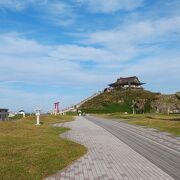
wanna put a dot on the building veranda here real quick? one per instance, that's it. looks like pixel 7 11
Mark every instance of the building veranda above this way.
pixel 4 114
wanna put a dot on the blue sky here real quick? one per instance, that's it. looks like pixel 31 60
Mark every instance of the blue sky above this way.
pixel 65 50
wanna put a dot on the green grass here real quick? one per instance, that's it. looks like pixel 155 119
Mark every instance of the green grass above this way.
pixel 72 113
pixel 170 126
pixel 30 152
pixel 162 122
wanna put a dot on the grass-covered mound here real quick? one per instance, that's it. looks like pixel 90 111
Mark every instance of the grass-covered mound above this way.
pixel 30 152
pixel 119 101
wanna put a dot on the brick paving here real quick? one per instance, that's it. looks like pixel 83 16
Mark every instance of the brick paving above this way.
pixel 107 158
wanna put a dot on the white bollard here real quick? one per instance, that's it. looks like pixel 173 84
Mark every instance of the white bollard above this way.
pixel 38 122
pixel 37 117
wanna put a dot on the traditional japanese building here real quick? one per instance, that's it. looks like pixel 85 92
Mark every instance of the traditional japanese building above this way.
pixel 4 114
pixel 128 82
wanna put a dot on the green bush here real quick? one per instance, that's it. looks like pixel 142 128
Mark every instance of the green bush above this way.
pixel 72 113
pixel 18 116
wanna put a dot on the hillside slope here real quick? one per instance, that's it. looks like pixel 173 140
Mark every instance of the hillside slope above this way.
pixel 124 100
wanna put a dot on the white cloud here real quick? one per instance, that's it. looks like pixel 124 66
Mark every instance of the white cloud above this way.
pixel 16 100
pixel 12 44
pixel 12 4
pixel 81 53
pixel 110 6
pixel 56 12
pixel 19 5
pixel 59 13
pixel 131 40
pixel 31 62
pixel 136 32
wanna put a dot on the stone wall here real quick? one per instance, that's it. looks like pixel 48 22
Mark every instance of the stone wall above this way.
pixel 167 104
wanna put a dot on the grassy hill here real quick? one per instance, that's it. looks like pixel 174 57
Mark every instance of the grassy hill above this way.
pixel 123 101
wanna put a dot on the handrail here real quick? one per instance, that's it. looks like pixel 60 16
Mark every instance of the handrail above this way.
pixel 72 107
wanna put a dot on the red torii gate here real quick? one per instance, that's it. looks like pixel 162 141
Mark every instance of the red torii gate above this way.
pixel 56 108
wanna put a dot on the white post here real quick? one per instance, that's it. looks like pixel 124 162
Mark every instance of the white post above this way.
pixel 168 110
pixel 38 123
pixel 37 117
pixel 133 104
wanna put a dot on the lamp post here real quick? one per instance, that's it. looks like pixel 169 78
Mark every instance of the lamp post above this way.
pixel 37 117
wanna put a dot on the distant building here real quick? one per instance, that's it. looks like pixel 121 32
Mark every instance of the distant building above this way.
pixel 128 82
pixel 21 112
pixel 4 114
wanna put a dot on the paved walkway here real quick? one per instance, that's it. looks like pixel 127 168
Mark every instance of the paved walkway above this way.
pixel 164 138
pixel 108 158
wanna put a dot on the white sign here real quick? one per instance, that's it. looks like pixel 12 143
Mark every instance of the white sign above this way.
pixel 38 114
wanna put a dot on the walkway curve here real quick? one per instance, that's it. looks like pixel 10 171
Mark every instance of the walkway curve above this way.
pixel 107 158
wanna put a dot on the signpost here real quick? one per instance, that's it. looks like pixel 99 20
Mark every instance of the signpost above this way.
pixel 37 117
pixel 133 106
